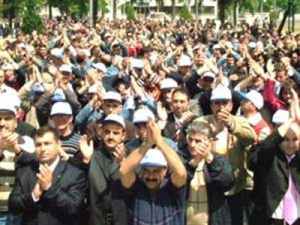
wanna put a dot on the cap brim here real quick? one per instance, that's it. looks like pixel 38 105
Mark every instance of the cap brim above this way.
pixel 112 121
pixel 152 164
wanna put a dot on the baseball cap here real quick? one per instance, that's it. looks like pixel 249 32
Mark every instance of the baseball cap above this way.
pixel 114 118
pixel 112 95
pixel 61 108
pixel 6 105
pixel 209 74
pixel 100 66
pixel 38 88
pixel 137 63
pixel 58 95
pixel 256 98
pixel 184 60
pixel 168 83
pixel 154 158
pixel 142 115
pixel 57 52
pixel 221 93
pixel 280 116
pixel 65 68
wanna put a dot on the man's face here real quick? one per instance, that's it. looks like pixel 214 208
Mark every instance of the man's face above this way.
pixel 8 123
pixel 167 95
pixel 47 148
pixel 247 106
pixel 112 135
pixel 281 76
pixel 62 122
pixel 193 140
pixel 220 105
pixel 153 176
pixel 111 107
pixel 142 130
pixel 206 82
pixel 290 143
pixel 230 60
pixel 179 104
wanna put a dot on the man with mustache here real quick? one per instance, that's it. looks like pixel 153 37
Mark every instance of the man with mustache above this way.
pixel 157 195
pixel 105 207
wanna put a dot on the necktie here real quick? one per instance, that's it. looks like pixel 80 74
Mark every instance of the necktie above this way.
pixel 289 203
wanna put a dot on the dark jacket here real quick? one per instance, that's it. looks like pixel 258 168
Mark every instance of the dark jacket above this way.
pixel 271 171
pixel 107 207
pixel 219 178
pixel 60 205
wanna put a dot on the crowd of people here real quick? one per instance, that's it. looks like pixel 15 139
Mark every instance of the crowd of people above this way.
pixel 150 123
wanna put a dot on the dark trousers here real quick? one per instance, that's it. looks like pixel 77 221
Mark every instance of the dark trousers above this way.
pixel 240 206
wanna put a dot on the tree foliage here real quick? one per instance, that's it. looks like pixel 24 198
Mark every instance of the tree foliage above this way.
pixel 185 14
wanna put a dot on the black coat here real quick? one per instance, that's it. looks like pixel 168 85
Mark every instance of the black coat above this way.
pixel 271 173
pixel 60 205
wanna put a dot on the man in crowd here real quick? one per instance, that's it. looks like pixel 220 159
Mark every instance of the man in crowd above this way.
pixel 50 191
pixel 154 191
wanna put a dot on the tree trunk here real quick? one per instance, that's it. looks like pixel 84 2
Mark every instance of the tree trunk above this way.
pixel 221 12
pixel 173 9
pixel 114 9
pixel 50 10
pixel 235 8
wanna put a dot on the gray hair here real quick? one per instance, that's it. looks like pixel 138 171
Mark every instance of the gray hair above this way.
pixel 199 127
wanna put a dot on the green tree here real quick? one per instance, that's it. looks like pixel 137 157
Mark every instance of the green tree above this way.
pixel 30 16
pixel 185 14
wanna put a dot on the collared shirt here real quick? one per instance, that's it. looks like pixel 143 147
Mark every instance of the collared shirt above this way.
pixel 278 213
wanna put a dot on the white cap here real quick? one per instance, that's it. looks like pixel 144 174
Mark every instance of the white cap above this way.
pixel 112 95
pixel 65 68
pixel 8 66
pixel 168 83
pixel 38 87
pixel 256 98
pixel 184 60
pixel 12 98
pixel 280 116
pixel 61 108
pixel 6 105
pixel 137 63
pixel 209 74
pixel 114 118
pixel 142 115
pixel 252 45
pixel 93 89
pixel 58 95
pixel 216 46
pixel 100 66
pixel 221 92
pixel 154 158
pixel 57 52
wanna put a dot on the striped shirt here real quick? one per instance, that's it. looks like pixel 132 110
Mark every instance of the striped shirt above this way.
pixel 70 143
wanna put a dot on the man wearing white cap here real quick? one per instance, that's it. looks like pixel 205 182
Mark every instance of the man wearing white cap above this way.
pixel 3 87
pixel 153 190
pixel 103 172
pixel 11 144
pixel 61 116
pixel 250 107
pixel 234 136
pixel 140 118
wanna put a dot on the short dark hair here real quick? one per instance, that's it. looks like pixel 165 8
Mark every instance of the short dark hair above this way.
pixel 182 91
pixel 43 130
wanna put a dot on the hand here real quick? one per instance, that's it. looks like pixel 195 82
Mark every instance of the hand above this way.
pixel 87 149
pixel 37 191
pixel 120 152
pixel 154 133
pixel 225 118
pixel 45 177
pixel 63 154
pixel 10 142
pixel 203 149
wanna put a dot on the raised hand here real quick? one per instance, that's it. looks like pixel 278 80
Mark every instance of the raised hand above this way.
pixel 119 152
pixel 86 148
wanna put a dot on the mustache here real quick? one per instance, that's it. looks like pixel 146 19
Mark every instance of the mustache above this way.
pixel 151 180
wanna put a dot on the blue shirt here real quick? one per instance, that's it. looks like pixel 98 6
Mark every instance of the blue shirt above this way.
pixel 163 207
